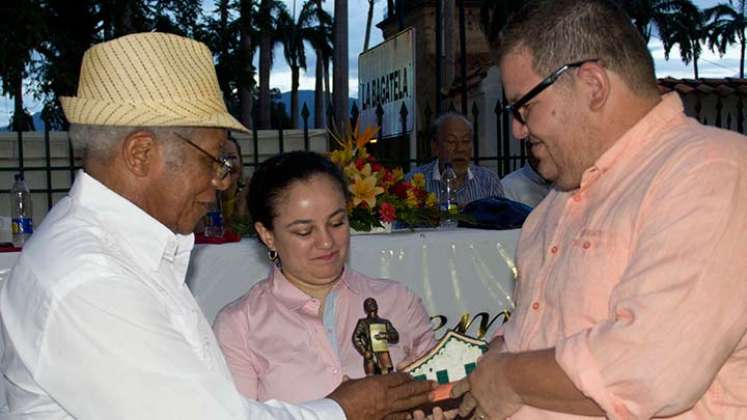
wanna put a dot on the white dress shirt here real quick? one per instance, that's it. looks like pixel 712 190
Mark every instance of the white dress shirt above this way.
pixel 98 323
pixel 526 186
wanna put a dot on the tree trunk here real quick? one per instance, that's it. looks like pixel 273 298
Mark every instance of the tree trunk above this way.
pixel 265 59
pixel 369 21
pixel 245 73
pixel 294 96
pixel 18 121
pixel 340 72
pixel 741 59
pixel 222 66
pixel 327 92
pixel 319 91
pixel 695 67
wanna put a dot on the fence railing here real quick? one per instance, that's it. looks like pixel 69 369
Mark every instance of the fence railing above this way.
pixel 49 165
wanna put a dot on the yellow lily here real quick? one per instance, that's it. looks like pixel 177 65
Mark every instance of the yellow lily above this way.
pixel 418 180
pixel 412 199
pixel 431 200
pixel 364 190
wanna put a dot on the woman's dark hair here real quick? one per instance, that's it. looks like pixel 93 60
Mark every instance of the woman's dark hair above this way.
pixel 233 140
pixel 276 174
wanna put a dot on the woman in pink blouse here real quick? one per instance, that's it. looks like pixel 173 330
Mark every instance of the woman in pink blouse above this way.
pixel 290 336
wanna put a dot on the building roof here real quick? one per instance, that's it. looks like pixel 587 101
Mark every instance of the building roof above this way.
pixel 706 86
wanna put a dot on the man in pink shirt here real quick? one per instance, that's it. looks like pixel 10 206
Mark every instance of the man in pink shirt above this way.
pixel 633 271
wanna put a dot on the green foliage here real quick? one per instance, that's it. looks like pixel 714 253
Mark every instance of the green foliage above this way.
pixel 727 25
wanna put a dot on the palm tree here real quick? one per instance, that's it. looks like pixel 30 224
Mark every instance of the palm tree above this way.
pixel 21 36
pixel 320 39
pixel 220 33
pixel 687 29
pixel 312 26
pixel 651 16
pixel 72 27
pixel 246 71
pixel 266 23
pixel 727 26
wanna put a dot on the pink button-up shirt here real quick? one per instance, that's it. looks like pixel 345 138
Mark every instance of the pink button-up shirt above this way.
pixel 638 279
pixel 278 347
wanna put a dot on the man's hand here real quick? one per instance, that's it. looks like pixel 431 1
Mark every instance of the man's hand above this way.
pixel 376 397
pixel 488 391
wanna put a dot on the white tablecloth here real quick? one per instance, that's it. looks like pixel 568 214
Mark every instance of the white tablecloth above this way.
pixel 454 272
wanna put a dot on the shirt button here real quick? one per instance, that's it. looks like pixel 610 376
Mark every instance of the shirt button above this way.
pixel 554 249
pixel 335 371
pixel 535 305
pixel 577 197
pixel 587 245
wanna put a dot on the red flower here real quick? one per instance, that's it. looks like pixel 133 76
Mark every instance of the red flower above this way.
pixel 387 212
pixel 376 166
pixel 419 193
pixel 400 190
pixel 360 163
pixel 387 178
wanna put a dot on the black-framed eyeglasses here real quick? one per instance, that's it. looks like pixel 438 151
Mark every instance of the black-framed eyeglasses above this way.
pixel 516 108
pixel 223 166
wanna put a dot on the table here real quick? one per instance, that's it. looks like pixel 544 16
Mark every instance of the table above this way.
pixel 456 272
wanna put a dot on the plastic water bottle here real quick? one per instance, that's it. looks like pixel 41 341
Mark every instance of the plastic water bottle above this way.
pixel 449 207
pixel 214 220
pixel 20 211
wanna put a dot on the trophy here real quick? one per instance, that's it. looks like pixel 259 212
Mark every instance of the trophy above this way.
pixel 371 338
pixel 453 358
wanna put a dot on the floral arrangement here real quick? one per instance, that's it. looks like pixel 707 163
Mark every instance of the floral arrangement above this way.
pixel 380 195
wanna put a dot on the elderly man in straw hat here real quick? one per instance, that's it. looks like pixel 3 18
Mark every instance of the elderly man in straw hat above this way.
pixel 96 317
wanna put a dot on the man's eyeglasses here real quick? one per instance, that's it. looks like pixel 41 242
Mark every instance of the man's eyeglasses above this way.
pixel 516 108
pixel 222 165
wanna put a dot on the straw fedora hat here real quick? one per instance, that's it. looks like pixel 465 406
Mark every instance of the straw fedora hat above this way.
pixel 149 79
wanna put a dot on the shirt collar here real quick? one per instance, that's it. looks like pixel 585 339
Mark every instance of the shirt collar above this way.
pixel 637 137
pixel 294 298
pixel 534 176
pixel 437 173
pixel 134 229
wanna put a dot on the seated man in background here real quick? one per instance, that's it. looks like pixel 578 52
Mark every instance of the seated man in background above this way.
pixel 525 185
pixel 451 142
pixel 97 319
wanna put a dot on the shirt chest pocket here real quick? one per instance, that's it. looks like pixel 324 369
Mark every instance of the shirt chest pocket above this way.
pixel 587 271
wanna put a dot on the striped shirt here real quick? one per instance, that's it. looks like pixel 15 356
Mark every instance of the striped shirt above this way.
pixel 481 183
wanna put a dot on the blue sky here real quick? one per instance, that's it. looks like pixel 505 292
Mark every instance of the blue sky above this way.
pixel 711 65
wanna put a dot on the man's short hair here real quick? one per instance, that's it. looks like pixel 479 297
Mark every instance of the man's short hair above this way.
pixel 439 122
pixel 558 32
pixel 99 142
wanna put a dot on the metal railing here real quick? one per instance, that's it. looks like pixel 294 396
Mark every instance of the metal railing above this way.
pixel 50 164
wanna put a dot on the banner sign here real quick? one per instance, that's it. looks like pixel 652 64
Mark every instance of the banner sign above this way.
pixel 386 76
